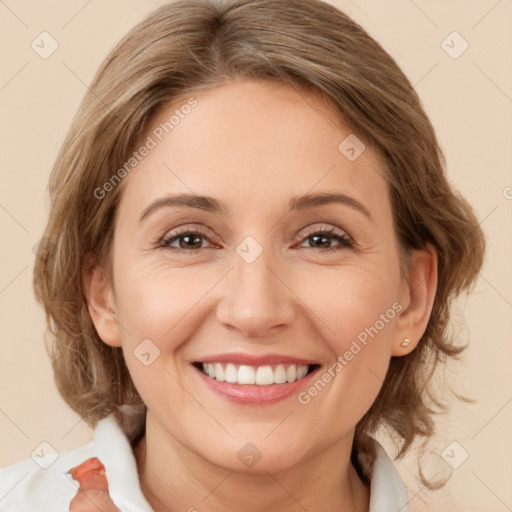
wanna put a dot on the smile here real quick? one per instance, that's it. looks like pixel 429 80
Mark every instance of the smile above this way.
pixel 259 376
pixel 255 380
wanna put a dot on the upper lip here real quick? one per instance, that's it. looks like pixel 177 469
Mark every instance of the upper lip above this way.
pixel 255 360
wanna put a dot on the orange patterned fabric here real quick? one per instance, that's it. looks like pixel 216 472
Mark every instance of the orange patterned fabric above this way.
pixel 93 492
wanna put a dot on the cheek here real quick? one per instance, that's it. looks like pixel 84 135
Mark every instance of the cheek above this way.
pixel 158 308
pixel 158 302
pixel 356 303
pixel 358 318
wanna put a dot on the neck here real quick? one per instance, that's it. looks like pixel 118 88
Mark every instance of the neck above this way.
pixel 173 478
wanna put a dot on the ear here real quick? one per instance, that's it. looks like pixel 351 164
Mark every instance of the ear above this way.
pixel 101 305
pixel 418 290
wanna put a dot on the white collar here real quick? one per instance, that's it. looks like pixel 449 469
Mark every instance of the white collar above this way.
pixel 387 492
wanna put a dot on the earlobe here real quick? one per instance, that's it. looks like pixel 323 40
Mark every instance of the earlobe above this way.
pixel 418 292
pixel 101 305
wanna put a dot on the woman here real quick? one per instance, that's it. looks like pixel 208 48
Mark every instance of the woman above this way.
pixel 248 268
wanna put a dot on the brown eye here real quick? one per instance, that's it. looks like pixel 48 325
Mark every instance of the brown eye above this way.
pixel 322 239
pixel 186 241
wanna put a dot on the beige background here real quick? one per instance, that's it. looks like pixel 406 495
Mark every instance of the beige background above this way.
pixel 469 100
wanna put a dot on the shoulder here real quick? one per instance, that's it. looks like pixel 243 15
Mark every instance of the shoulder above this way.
pixel 42 483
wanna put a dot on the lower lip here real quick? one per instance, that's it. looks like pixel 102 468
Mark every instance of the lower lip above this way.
pixel 253 394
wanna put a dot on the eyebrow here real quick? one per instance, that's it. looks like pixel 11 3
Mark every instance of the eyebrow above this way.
pixel 296 203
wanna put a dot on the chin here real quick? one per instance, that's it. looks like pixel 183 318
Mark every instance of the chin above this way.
pixel 263 455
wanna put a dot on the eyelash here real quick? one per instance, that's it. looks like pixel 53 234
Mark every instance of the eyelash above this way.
pixel 345 241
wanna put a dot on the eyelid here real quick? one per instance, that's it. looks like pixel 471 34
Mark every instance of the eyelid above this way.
pixel 192 227
pixel 201 229
pixel 332 230
pixel 322 227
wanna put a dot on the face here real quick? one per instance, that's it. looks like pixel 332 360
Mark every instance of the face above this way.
pixel 259 315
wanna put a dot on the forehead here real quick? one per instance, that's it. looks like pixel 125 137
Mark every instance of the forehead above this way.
pixel 249 141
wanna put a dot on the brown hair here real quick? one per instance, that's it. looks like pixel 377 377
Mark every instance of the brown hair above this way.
pixel 191 45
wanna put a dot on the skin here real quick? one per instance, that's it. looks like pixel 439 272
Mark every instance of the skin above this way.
pixel 253 145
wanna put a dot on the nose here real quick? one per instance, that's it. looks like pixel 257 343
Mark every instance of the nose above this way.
pixel 256 298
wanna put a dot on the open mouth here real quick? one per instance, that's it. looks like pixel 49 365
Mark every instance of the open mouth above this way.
pixel 265 375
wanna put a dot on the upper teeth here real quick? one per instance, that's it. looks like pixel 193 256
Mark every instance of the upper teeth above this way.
pixel 260 375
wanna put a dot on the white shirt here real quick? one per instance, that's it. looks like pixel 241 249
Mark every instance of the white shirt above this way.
pixel 27 487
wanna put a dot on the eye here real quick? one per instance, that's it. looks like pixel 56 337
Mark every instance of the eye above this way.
pixel 189 241
pixel 183 241
pixel 322 239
